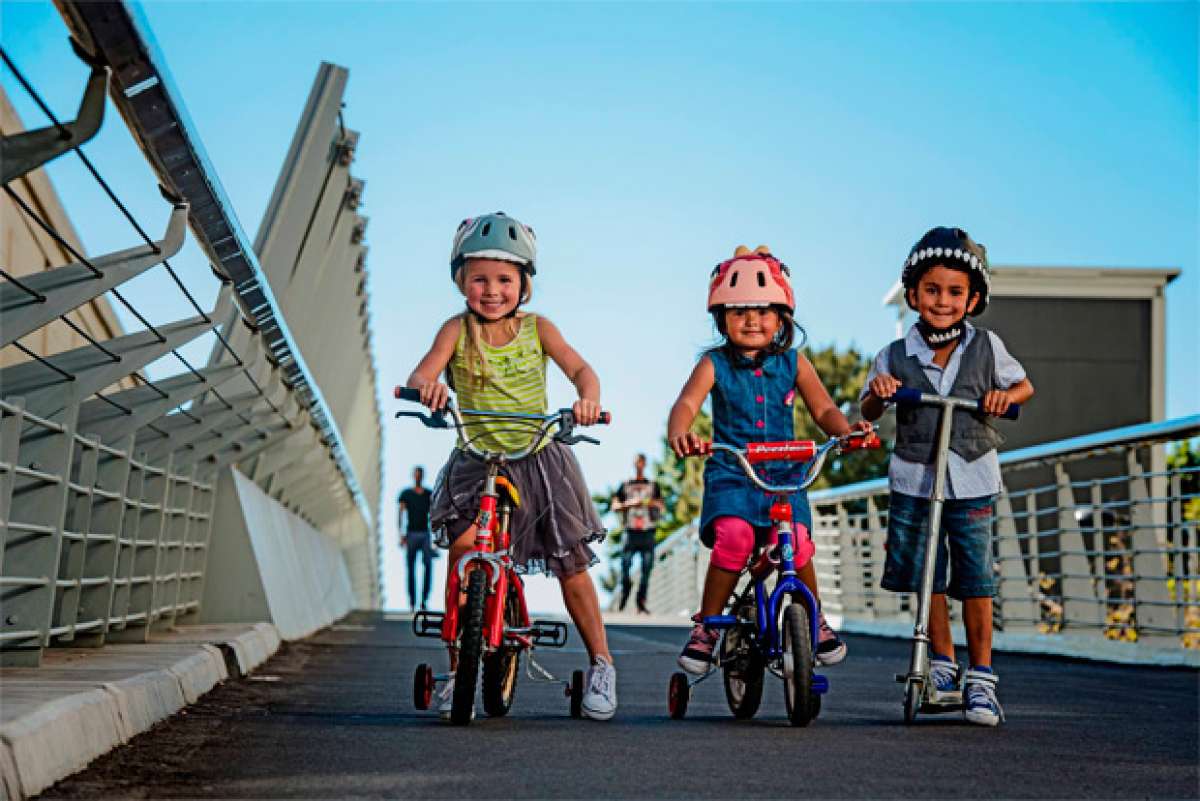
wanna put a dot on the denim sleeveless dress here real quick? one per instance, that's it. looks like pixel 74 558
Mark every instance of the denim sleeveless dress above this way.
pixel 751 402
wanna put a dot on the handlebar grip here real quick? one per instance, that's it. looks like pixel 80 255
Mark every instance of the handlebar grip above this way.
pixel 793 451
pixel 867 443
pixel 407 393
pixel 605 419
pixel 906 395
pixel 1014 411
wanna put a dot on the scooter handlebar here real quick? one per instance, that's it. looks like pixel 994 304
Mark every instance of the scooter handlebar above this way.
pixel 916 397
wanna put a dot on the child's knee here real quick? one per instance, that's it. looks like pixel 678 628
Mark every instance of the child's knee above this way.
pixel 733 543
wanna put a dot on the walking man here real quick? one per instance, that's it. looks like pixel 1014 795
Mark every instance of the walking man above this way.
pixel 640 503
pixel 417 542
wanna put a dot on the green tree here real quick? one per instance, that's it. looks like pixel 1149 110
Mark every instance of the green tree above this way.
pixel 843 372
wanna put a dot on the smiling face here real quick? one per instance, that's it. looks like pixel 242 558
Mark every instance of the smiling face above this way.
pixel 492 287
pixel 943 296
pixel 751 330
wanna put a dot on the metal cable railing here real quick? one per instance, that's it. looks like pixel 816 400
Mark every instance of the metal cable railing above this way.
pixel 1110 554
pixel 108 478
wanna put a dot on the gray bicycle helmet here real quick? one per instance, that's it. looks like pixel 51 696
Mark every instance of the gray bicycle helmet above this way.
pixel 494 236
pixel 954 249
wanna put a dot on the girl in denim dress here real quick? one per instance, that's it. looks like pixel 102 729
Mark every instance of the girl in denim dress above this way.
pixel 753 377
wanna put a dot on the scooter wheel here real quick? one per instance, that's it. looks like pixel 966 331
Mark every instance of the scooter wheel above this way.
pixel 423 684
pixel 577 694
pixel 912 701
pixel 678 695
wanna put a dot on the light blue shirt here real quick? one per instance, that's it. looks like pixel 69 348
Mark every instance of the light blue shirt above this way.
pixel 964 479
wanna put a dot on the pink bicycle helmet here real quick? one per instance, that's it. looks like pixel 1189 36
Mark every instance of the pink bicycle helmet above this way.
pixel 751 279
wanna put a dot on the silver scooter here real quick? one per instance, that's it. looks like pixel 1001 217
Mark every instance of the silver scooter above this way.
pixel 917 683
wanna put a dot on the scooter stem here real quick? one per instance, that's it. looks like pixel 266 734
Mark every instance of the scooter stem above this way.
pixel 920 652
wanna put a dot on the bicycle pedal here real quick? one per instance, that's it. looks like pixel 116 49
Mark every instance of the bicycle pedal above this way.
pixel 428 624
pixel 548 633
pixel 721 621
pixel 820 684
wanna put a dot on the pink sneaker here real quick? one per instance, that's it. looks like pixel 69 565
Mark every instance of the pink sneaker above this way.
pixel 698 653
pixel 830 649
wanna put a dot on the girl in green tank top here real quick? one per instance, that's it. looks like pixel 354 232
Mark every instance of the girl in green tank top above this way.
pixel 495 359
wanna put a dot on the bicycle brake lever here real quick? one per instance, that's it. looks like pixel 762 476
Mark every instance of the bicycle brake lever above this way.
pixel 575 439
pixel 437 420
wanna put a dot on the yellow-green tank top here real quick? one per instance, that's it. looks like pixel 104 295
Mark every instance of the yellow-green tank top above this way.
pixel 517 383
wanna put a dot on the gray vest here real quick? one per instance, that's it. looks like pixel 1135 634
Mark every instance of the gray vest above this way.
pixel 972 434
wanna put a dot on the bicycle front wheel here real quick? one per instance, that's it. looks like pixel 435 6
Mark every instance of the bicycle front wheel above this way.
pixel 470 650
pixel 798 665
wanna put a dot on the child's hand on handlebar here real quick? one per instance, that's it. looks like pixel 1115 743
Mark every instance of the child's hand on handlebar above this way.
pixel 587 412
pixel 690 444
pixel 435 395
pixel 884 386
pixel 996 402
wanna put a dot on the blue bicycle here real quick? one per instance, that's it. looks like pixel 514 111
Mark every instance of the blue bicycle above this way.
pixel 771 630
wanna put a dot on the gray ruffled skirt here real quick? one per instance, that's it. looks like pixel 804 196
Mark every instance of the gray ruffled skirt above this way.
pixel 549 531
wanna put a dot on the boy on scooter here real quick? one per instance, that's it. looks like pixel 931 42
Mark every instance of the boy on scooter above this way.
pixel 945 278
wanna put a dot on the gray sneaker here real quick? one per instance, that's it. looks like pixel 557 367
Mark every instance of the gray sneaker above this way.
pixel 943 673
pixel 600 697
pixel 982 706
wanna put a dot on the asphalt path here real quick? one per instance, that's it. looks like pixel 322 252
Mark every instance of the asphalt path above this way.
pixel 332 717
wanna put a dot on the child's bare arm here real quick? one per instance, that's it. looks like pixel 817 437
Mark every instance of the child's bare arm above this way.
pixel 434 393
pixel 997 401
pixel 882 386
pixel 687 406
pixel 577 371
pixel 824 411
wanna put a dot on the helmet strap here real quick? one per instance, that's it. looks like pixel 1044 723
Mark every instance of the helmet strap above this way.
pixel 940 337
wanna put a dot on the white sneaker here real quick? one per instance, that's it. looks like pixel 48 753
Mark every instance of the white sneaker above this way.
pixel 600 697
pixel 446 707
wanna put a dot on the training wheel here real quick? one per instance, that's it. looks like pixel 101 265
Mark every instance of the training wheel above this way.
pixel 678 695
pixel 577 694
pixel 423 684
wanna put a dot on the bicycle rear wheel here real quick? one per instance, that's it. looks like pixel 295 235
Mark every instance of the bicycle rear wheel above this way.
pixel 742 669
pixel 470 650
pixel 502 668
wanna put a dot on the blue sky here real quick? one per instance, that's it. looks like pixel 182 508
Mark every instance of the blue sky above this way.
pixel 644 141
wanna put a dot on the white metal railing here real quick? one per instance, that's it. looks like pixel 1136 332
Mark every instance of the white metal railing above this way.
pixel 1093 549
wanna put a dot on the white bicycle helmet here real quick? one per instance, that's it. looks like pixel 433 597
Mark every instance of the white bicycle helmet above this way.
pixel 494 236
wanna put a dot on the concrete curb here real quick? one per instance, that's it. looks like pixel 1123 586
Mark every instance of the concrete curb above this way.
pixel 84 718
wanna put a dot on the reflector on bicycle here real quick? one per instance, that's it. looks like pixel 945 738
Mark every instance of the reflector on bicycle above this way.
pixel 792 451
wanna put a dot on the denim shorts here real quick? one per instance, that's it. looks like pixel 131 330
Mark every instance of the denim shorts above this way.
pixel 966 528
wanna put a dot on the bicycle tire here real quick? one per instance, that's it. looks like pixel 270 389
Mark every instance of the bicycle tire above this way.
pixel 742 674
pixel 470 650
pixel 797 643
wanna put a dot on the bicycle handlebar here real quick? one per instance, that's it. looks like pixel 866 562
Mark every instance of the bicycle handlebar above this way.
pixel 917 397
pixel 563 418
pixel 795 451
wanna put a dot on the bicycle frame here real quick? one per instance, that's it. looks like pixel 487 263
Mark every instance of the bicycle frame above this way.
pixel 491 552
pixel 769 605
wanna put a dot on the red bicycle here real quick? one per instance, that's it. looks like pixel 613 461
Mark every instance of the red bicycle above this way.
pixel 492 627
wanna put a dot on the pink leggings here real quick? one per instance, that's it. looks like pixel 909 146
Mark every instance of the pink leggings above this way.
pixel 734 542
